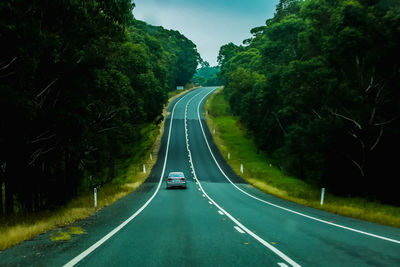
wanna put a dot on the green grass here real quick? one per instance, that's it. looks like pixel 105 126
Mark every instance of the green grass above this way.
pixel 129 176
pixel 259 170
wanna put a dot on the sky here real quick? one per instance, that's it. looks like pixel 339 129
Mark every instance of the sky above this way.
pixel 208 23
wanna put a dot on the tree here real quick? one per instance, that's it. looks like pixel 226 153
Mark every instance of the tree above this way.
pixel 321 78
pixel 207 76
pixel 78 94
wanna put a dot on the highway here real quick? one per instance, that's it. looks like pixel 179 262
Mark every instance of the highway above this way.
pixel 219 220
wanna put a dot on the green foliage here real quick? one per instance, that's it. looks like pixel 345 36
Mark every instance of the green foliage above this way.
pixel 317 87
pixel 207 76
pixel 78 82
pixel 170 50
pixel 261 171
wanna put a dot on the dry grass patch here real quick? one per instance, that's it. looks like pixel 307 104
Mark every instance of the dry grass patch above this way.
pixel 75 230
pixel 60 236
pixel 65 236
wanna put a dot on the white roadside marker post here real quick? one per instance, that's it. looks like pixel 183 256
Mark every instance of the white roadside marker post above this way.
pixel 322 196
pixel 95 197
pixel 241 168
pixel 144 168
pixel 229 155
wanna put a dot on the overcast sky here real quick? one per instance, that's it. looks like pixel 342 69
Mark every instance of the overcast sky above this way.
pixel 208 23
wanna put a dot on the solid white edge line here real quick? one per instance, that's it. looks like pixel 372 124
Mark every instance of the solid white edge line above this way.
pixel 237 228
pixel 259 239
pixel 280 207
pixel 113 232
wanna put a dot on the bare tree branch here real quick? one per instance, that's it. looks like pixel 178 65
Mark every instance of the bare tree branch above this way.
pixel 387 122
pixel 38 153
pixel 377 139
pixel 372 117
pixel 346 118
pixel 8 74
pixel 9 64
pixel 359 166
pixel 107 129
pixel 43 138
pixel 56 98
pixel 47 87
pixel 43 134
pixel 316 113
pixel 90 150
pixel 352 134
pixel 279 122
pixel 371 81
pixel 357 138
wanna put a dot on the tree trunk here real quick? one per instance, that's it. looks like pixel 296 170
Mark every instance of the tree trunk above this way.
pixel 9 197
pixel 1 198
pixel 301 166
pixel 111 170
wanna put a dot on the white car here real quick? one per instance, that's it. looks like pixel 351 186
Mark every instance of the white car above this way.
pixel 176 179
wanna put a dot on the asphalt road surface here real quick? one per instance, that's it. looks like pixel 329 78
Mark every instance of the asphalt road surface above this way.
pixel 219 220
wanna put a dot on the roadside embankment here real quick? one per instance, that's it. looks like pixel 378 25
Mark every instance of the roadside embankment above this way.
pixel 129 176
pixel 259 170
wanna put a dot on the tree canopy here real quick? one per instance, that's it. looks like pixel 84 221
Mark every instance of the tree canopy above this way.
pixel 78 82
pixel 207 76
pixel 318 88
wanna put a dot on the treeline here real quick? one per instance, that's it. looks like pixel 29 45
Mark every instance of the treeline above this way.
pixel 318 88
pixel 78 82
pixel 207 76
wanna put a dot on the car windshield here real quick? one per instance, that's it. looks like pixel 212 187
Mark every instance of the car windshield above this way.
pixel 175 175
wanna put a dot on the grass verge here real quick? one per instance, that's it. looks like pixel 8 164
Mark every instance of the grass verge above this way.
pixel 230 137
pixel 20 227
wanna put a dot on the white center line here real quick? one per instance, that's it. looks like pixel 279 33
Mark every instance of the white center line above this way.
pixel 113 232
pixel 240 225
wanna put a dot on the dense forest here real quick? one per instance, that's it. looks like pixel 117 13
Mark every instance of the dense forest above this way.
pixel 207 75
pixel 318 88
pixel 78 81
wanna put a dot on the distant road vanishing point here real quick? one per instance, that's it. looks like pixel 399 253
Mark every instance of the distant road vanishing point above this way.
pixel 219 220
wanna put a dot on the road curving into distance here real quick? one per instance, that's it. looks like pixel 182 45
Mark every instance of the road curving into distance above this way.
pixel 219 220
